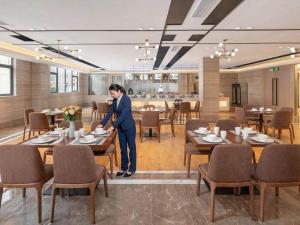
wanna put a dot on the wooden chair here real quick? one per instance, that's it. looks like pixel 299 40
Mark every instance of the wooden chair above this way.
pixel 278 166
pixel 150 120
pixel 26 121
pixel 110 152
pixel 147 107
pixel 196 109
pixel 167 109
pixel 38 122
pixel 227 124
pixel 21 166
pixel 185 111
pixel 74 167
pixel 94 110
pixel 189 148
pixel 242 119
pixel 169 121
pixel 229 166
pixel 102 109
pixel 280 121
pixel 291 110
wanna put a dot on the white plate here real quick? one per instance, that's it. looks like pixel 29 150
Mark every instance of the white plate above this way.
pixel 104 132
pixel 215 140
pixel 268 140
pixel 45 140
pixel 83 141
pixel 198 132
pixel 250 132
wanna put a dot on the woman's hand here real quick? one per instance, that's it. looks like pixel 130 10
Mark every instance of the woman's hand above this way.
pixel 109 130
pixel 99 126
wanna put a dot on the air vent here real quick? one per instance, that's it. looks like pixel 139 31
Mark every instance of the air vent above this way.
pixel 22 37
pixel 205 7
pixel 175 48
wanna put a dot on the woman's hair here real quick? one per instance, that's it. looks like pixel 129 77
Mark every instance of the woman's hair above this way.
pixel 117 87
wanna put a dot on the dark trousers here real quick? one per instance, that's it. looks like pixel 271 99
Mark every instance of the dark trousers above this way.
pixel 127 137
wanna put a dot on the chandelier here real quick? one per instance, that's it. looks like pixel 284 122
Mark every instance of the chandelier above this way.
pixel 223 52
pixel 66 49
pixel 147 48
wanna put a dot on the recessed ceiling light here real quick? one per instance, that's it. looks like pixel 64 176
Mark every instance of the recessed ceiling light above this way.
pixel 237 28
pixel 293 50
pixel 80 57
pixel 151 28
pixel 293 56
pixel 31 29
pixel 249 28
pixel 141 28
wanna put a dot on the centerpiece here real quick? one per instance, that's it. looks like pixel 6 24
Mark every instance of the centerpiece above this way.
pixel 71 114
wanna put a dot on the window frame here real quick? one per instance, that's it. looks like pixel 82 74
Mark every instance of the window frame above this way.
pixel 77 89
pixel 55 74
pixel 11 67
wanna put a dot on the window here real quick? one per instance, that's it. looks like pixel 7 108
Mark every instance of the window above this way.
pixel 74 81
pixel 68 81
pixel 53 80
pixel 6 76
pixel 98 84
pixel 61 80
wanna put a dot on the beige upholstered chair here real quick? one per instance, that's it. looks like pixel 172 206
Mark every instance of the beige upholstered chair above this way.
pixel 189 148
pixel 26 121
pixel 291 110
pixel 278 166
pixel 21 166
pixel 196 109
pixel 242 119
pixel 74 167
pixel 185 111
pixel 229 166
pixel 150 120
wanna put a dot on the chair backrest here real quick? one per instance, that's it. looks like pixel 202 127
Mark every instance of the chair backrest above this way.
pixel 240 115
pixel 249 113
pixel 66 124
pixel 193 125
pixel 197 105
pixel 281 120
pixel 231 163
pixel 21 164
pixel 290 109
pixel 149 106
pixel 227 124
pixel 167 106
pixel 94 105
pixel 185 107
pixel 38 121
pixel 26 115
pixel 279 163
pixel 96 123
pixel 150 119
pixel 74 164
pixel 79 114
pixel 102 107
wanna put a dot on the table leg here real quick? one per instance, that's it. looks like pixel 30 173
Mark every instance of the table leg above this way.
pixel 150 132
pixel 261 121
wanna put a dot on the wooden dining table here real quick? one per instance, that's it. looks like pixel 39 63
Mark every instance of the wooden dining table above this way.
pixel 53 115
pixel 261 116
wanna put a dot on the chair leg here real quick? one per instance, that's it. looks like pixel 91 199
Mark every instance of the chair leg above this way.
pixel 251 202
pixel 277 191
pixel 189 165
pixel 44 157
pixel 263 187
pixel 105 184
pixel 111 165
pixel 1 193
pixel 291 135
pixel 173 130
pixel 24 133
pixel 52 203
pixel 212 201
pixel 29 134
pixel 184 158
pixel 39 202
pixel 116 158
pixel 293 131
pixel 198 183
pixel 93 203
pixel 24 192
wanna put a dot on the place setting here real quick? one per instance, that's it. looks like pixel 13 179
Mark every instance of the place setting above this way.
pixel 214 137
pixel 99 131
pixel 85 139
pixel 43 139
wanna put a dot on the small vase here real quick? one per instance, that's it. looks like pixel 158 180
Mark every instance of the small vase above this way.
pixel 71 129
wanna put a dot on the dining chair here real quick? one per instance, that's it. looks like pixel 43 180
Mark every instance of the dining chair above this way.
pixel 38 122
pixel 21 166
pixel 94 110
pixel 242 119
pixel 150 120
pixel 185 111
pixel 227 124
pixel 189 148
pixel 74 166
pixel 230 166
pixel 280 121
pixel 26 120
pixel 278 166
pixel 250 115
pixel 291 110
pixel 196 109
pixel 169 121
pixel 167 109
pixel 102 109
pixel 111 151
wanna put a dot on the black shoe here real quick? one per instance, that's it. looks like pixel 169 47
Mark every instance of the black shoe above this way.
pixel 128 174
pixel 121 173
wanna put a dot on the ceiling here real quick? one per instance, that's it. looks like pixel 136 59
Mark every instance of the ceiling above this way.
pixel 108 30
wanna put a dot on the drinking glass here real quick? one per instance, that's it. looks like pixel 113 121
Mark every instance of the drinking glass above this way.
pixel 223 134
pixel 216 130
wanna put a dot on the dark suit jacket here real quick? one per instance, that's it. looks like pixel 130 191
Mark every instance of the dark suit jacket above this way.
pixel 123 113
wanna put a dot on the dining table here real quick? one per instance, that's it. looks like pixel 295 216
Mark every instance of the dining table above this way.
pixel 53 114
pixel 99 147
pixel 261 114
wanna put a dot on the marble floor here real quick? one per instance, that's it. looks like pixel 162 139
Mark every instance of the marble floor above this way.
pixel 162 203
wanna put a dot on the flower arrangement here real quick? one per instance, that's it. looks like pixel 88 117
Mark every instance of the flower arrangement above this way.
pixel 71 113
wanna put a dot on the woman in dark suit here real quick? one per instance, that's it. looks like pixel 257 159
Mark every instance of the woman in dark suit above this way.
pixel 125 125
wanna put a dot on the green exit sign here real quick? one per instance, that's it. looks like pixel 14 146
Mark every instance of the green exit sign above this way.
pixel 274 69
